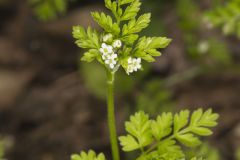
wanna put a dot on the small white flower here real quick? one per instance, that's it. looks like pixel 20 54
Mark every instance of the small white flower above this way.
pixel 117 44
pixel 137 64
pixel 130 69
pixel 106 49
pixel 130 60
pixel 111 60
pixel 203 47
pixel 107 37
pixel 105 56
pixel 134 64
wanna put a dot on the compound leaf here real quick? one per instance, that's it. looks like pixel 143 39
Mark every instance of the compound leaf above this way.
pixel 91 155
pixel 200 121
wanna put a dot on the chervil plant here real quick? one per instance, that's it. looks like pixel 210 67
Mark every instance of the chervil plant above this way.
pixel 120 46
pixel 227 17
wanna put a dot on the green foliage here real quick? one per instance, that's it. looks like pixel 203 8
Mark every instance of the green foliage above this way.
pixel 158 138
pixel 1 149
pixel 90 155
pixel 49 9
pixel 227 17
pixel 115 47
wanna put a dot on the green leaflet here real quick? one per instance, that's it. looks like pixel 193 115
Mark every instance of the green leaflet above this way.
pixel 161 135
pixel 200 120
pixel 180 120
pixel 147 47
pixel 90 55
pixel 162 126
pixel 129 143
pixel 139 132
pixel 131 11
pixel 188 140
pixel 106 22
pixel 90 155
pixel 135 26
pixel 168 149
pixel 113 6
pixel 130 39
pixel 199 125
pixel 86 39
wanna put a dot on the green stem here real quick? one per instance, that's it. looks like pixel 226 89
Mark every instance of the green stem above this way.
pixel 111 117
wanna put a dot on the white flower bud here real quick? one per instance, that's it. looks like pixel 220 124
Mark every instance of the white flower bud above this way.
pixel 117 44
pixel 108 37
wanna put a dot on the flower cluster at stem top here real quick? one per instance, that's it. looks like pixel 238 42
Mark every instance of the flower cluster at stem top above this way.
pixel 109 49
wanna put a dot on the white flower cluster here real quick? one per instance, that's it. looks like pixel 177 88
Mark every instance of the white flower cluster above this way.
pixel 110 57
pixel 134 64
pixel 108 51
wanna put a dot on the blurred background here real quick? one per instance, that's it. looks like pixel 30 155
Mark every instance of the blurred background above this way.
pixel 51 105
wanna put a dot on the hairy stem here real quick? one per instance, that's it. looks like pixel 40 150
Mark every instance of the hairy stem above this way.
pixel 111 116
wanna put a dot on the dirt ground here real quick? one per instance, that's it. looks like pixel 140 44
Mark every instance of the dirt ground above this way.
pixel 46 111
